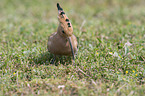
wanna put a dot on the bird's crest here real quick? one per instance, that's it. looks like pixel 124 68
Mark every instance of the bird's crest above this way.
pixel 65 24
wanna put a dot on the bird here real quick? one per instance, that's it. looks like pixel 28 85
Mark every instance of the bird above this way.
pixel 63 42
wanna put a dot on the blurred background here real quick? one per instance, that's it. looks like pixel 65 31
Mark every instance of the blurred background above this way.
pixel 40 16
pixel 45 10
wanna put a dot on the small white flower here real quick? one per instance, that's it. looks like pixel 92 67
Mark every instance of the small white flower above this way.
pixel 61 86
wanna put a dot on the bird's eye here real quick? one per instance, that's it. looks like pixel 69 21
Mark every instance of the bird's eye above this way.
pixel 62 31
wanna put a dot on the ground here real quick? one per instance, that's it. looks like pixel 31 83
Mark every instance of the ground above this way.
pixel 111 55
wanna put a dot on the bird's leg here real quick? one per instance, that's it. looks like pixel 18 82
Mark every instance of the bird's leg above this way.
pixel 60 59
pixel 54 58
pixel 73 57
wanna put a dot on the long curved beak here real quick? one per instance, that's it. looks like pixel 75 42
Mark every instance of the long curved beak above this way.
pixel 69 39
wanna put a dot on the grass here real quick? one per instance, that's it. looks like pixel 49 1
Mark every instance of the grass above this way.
pixel 111 36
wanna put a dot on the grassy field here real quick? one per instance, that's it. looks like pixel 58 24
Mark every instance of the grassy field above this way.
pixel 111 36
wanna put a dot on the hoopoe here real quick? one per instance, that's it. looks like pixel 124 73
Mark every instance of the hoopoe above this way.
pixel 63 42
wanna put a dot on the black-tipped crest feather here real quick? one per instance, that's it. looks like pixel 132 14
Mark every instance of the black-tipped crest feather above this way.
pixel 58 7
pixel 62 13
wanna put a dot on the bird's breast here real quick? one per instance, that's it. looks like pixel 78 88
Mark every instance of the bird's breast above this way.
pixel 60 46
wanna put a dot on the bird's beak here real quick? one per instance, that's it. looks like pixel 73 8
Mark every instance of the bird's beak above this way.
pixel 69 39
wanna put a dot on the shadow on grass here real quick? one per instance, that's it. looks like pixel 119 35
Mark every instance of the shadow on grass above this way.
pixel 47 59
